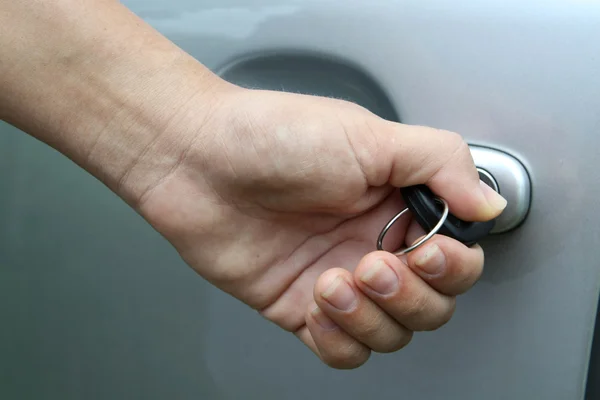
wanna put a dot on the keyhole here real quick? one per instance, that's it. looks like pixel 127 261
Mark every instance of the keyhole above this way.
pixel 488 179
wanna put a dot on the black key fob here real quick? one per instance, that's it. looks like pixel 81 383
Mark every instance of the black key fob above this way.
pixel 427 210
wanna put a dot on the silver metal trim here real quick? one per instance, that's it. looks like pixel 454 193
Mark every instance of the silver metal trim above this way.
pixel 490 178
pixel 513 183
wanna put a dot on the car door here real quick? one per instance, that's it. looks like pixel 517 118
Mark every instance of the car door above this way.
pixel 96 305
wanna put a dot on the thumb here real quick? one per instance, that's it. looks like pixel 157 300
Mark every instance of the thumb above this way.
pixel 410 155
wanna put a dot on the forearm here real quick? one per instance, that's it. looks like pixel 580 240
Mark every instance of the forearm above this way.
pixel 95 82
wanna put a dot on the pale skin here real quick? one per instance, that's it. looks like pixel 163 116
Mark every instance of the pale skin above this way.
pixel 274 198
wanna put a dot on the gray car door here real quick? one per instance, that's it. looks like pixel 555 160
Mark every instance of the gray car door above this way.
pixel 96 305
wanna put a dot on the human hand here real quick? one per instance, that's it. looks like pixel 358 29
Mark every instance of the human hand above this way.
pixel 278 199
pixel 275 198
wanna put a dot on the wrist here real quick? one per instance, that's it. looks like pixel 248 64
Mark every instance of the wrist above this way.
pixel 101 87
pixel 152 120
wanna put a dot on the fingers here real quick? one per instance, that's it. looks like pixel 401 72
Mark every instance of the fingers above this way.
pixel 385 300
pixel 331 343
pixel 408 155
pixel 444 263
pixel 339 298
pixel 402 294
pixel 447 265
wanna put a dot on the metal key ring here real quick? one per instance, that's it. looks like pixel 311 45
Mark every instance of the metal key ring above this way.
pixel 420 242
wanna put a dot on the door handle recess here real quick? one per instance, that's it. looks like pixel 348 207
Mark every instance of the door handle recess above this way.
pixel 507 175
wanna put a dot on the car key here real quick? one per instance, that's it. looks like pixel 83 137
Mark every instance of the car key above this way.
pixel 427 210
pixel 433 215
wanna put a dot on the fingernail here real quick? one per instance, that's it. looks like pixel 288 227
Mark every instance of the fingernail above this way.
pixel 432 260
pixel 323 320
pixel 380 278
pixel 339 294
pixel 493 198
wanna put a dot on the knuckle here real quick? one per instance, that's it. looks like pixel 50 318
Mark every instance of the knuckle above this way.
pixel 415 307
pixel 395 343
pixel 455 138
pixel 441 319
pixel 456 142
pixel 371 328
pixel 455 152
pixel 421 315
pixel 462 152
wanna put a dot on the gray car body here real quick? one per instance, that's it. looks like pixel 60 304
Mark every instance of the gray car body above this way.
pixel 96 305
